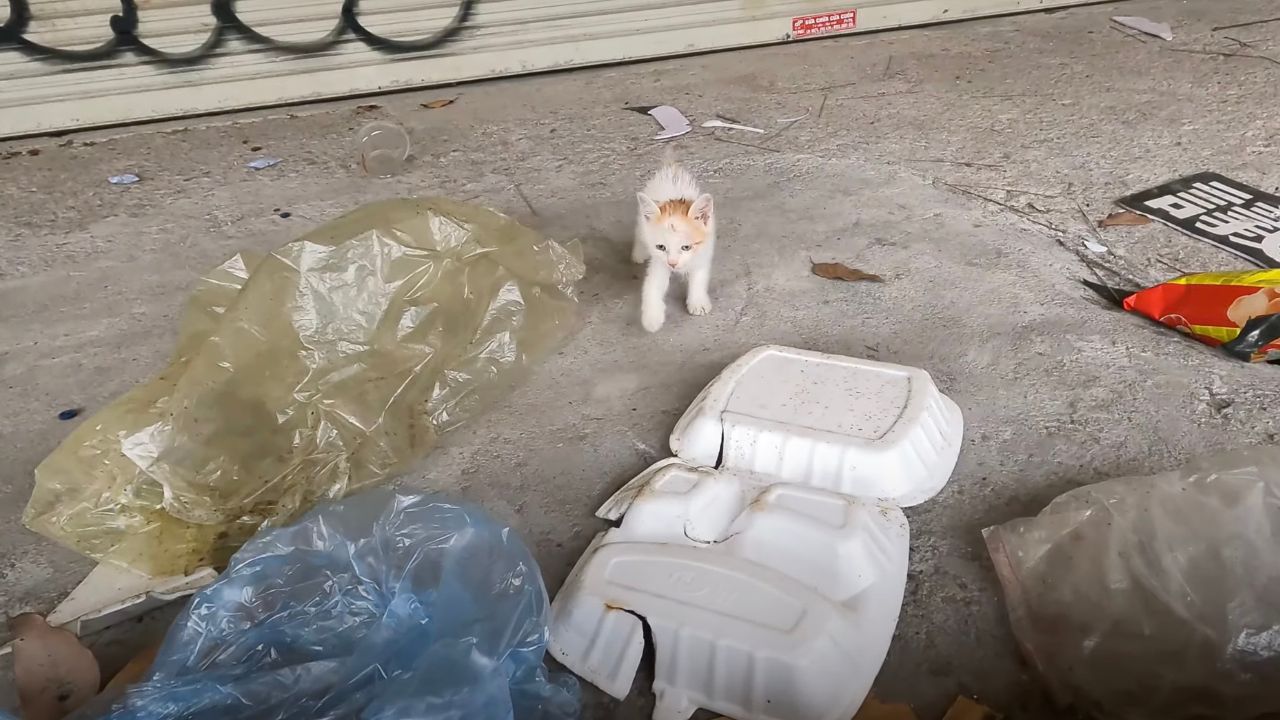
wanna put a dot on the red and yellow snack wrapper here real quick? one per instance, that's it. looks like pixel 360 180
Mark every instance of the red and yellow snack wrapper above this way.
pixel 1236 311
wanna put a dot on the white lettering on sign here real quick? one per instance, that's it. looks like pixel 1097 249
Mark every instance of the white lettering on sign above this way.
pixel 1198 199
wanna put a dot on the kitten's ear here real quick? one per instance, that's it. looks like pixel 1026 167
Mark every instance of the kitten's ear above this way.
pixel 648 208
pixel 702 209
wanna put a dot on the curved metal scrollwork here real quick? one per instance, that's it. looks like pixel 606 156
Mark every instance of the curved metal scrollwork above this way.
pixel 125 38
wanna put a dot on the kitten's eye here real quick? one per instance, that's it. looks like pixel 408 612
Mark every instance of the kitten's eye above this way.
pixel 686 248
pixel 661 247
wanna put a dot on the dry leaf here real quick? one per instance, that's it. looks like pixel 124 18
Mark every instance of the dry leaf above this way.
pixel 436 104
pixel 53 672
pixel 840 271
pixel 1123 217
pixel 367 107
pixel 965 709
pixel 873 709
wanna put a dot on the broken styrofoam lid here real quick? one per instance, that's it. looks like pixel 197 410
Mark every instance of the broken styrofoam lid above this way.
pixel 858 427
pixel 111 594
pixel 774 603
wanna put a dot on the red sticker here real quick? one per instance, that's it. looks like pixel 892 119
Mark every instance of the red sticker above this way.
pixel 824 24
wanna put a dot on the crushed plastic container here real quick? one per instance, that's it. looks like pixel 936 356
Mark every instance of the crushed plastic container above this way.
pixel 770 583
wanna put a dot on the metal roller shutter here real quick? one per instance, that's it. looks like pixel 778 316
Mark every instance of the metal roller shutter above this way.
pixel 74 64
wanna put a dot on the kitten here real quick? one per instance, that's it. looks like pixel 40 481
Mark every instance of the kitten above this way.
pixel 675 233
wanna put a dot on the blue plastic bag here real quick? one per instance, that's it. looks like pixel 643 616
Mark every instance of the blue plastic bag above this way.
pixel 380 607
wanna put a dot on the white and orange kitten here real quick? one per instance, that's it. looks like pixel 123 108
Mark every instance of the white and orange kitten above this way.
pixel 675 233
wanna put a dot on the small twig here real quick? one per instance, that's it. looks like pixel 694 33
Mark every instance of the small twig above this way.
pixel 1013 95
pixel 1128 33
pixel 739 142
pixel 1219 53
pixel 1246 24
pixel 728 119
pixel 1020 213
pixel 1089 223
pixel 774 135
pixel 823 106
pixel 879 95
pixel 527 204
pixel 1008 190
pixel 1239 42
pixel 954 162
pixel 823 88
pixel 887 65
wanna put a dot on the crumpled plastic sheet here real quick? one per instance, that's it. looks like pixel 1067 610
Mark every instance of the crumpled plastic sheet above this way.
pixel 1154 598
pixel 319 369
pixel 383 606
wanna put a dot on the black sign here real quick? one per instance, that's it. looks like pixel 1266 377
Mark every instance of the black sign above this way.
pixel 1223 212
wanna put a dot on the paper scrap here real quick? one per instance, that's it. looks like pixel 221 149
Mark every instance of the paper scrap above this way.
pixel 263 163
pixel 125 179
pixel 1095 247
pixel 1149 27
pixel 437 104
pixel 730 126
pixel 840 271
pixel 673 122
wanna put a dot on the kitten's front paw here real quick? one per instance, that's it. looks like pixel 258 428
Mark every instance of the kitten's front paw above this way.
pixel 652 319
pixel 699 306
pixel 639 256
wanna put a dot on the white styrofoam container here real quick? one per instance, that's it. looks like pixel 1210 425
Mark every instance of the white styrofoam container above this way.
pixel 771 583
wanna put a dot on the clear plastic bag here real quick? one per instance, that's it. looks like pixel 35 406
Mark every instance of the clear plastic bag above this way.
pixel 1154 598
pixel 317 370
pixel 382 606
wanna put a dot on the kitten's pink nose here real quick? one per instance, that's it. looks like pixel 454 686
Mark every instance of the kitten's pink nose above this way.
pixel 673 263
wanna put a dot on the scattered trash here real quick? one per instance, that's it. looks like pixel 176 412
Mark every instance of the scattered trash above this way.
pixel 1238 312
pixel 673 122
pixel 873 709
pixel 367 107
pixel 70 413
pixel 730 126
pixel 966 709
pixel 383 148
pixel 255 148
pixel 1095 247
pixel 135 669
pixel 797 118
pixel 381 606
pixel 840 271
pixel 284 214
pixel 54 674
pixel 1229 214
pixel 125 179
pixel 442 102
pixel 347 352
pixel 1153 598
pixel 1148 27
pixel 33 152
pixel 263 163
pixel 1123 218
pixel 750 568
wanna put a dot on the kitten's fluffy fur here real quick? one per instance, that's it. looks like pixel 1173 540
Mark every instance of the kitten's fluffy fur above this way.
pixel 675 233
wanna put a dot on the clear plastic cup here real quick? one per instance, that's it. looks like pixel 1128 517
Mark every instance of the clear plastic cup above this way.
pixel 383 147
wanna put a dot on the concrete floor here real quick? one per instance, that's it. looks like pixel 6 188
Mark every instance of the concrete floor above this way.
pixel 1057 391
